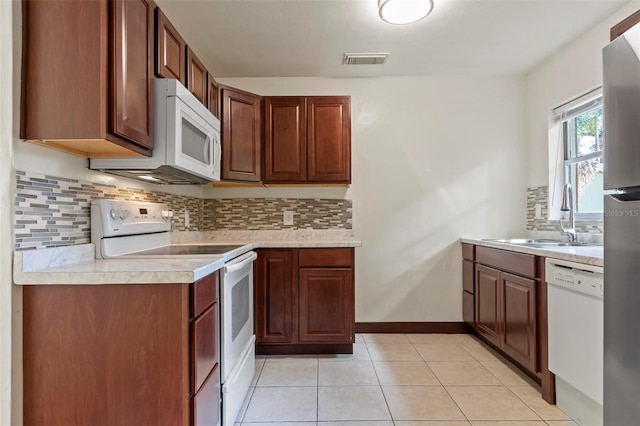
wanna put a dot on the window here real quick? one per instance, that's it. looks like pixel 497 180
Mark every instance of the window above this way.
pixel 583 140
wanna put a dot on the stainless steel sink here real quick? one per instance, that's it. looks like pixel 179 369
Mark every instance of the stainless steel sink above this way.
pixel 536 242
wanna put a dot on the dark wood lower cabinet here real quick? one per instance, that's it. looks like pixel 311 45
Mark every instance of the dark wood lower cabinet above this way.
pixel 519 334
pixel 275 273
pixel 508 292
pixel 304 301
pixel 488 303
pixel 325 305
pixel 119 355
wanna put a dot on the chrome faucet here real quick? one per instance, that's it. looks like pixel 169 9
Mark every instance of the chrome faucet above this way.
pixel 567 206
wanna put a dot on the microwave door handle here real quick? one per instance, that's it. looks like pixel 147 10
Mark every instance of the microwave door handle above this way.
pixel 207 150
pixel 217 153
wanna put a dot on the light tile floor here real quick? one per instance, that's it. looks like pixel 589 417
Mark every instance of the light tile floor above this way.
pixel 401 380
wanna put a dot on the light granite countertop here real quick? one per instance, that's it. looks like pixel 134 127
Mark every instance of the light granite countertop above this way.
pixel 77 264
pixel 590 255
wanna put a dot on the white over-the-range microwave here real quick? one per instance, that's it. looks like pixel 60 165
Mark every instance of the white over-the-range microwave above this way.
pixel 186 141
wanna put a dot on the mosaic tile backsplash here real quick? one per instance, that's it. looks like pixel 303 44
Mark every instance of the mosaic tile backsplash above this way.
pixel 539 195
pixel 267 213
pixel 52 211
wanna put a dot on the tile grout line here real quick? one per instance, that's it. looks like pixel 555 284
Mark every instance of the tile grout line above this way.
pixel 384 396
pixel 443 387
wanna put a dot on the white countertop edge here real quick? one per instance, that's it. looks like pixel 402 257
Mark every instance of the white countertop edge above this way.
pixel 76 265
pixel 590 255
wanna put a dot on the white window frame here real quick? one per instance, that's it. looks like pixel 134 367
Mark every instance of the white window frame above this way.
pixel 559 166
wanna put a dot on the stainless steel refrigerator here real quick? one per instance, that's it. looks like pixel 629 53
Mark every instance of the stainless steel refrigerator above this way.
pixel 622 230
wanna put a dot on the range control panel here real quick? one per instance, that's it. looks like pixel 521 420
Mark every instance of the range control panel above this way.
pixel 576 276
pixel 112 218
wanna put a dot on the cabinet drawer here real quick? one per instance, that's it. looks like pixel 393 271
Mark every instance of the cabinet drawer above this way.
pixel 518 263
pixel 326 257
pixel 205 405
pixel 203 293
pixel 468 251
pixel 468 278
pixel 204 346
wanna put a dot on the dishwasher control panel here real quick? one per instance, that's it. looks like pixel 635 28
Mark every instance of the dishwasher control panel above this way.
pixel 576 276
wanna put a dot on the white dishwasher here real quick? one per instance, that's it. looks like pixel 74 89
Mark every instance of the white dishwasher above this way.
pixel 576 338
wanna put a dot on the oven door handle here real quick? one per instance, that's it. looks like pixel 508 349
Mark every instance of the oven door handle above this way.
pixel 242 262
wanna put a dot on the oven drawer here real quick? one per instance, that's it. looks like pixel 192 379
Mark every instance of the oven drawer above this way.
pixel 326 258
pixel 203 293
pixel 204 346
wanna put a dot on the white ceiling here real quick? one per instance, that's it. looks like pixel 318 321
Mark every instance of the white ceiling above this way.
pixel 307 38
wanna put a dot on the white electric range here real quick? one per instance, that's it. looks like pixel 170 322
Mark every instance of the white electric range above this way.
pixel 135 229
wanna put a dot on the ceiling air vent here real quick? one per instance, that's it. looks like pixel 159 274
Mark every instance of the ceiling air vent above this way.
pixel 365 58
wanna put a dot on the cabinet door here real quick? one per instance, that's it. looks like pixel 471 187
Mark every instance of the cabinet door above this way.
pixel 205 405
pixel 519 306
pixel 170 50
pixel 326 305
pixel 329 139
pixel 241 135
pixel 196 77
pixel 213 95
pixel 132 70
pixel 285 147
pixel 275 275
pixel 487 303
pixel 204 346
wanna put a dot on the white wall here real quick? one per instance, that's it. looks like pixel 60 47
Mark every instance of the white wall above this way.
pixel 434 159
pixel 569 72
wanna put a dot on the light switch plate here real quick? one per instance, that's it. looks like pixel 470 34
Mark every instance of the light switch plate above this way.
pixel 288 217
pixel 186 218
pixel 538 208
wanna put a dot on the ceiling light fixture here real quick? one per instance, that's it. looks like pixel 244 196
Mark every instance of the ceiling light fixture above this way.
pixel 404 11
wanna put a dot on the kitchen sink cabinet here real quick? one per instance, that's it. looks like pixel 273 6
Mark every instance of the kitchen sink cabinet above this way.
pixel 488 303
pixel 151 350
pixel 519 319
pixel 304 301
pixel 94 61
pixel 308 139
pixel 508 292
pixel 241 135
pixel 171 50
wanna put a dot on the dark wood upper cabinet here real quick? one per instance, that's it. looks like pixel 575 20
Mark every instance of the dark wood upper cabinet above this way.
pixel 214 102
pixel 329 139
pixel 308 139
pixel 131 78
pixel 622 26
pixel 241 135
pixel 93 60
pixel 171 50
pixel 285 139
pixel 196 77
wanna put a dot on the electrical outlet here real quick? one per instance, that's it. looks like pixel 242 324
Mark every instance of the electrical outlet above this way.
pixel 538 208
pixel 186 218
pixel 288 217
